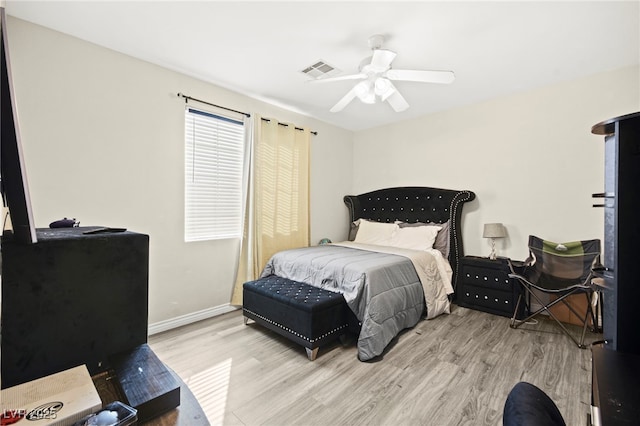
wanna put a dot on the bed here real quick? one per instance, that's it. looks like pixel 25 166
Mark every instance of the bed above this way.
pixel 398 265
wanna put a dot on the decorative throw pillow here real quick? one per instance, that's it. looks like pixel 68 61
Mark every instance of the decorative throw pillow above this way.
pixel 353 229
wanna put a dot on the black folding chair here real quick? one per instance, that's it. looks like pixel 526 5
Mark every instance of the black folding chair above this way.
pixel 562 270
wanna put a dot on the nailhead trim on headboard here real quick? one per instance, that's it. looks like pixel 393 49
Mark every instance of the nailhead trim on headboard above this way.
pixel 415 204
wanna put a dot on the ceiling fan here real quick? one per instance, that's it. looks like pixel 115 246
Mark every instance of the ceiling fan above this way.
pixel 377 76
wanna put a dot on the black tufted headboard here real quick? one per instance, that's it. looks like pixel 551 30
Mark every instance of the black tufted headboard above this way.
pixel 415 204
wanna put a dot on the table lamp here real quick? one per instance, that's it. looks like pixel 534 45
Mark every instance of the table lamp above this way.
pixel 493 231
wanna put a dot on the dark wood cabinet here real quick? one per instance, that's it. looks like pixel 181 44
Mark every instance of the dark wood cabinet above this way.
pixel 71 299
pixel 484 284
pixel 616 380
pixel 621 202
pixel 75 298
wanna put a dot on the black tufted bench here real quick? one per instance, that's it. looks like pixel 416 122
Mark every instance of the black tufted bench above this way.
pixel 306 315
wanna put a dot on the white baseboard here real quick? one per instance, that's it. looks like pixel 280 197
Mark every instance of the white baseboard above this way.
pixel 189 318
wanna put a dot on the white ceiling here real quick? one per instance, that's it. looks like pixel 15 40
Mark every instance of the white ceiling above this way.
pixel 259 48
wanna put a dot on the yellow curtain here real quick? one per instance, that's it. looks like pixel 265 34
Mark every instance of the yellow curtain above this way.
pixel 277 203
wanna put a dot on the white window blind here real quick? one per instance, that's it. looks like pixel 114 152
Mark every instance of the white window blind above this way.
pixel 214 148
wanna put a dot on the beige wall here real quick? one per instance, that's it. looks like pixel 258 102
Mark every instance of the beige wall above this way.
pixel 530 158
pixel 103 142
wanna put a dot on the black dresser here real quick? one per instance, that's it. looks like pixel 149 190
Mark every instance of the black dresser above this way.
pixel 621 202
pixel 71 299
pixel 78 298
pixel 484 285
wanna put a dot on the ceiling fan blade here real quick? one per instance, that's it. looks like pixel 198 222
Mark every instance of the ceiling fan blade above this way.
pixel 381 60
pixel 423 76
pixel 351 94
pixel 339 78
pixel 397 101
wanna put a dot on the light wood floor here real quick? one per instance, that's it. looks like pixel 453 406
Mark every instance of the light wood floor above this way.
pixel 456 369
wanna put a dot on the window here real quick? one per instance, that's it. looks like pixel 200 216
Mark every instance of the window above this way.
pixel 214 151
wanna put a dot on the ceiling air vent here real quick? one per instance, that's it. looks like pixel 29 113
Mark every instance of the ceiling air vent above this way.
pixel 320 70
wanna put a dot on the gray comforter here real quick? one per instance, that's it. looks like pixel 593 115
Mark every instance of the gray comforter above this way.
pixel 383 290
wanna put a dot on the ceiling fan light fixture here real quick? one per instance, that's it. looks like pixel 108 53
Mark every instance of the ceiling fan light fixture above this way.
pixel 378 77
pixel 362 87
pixel 364 92
pixel 368 97
pixel 383 88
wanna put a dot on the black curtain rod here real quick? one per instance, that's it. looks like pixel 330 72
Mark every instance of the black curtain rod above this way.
pixel 286 125
pixel 189 98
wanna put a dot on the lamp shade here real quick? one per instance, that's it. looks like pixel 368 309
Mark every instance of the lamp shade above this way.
pixel 494 230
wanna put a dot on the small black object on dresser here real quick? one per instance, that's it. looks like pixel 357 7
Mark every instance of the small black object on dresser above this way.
pixel 484 284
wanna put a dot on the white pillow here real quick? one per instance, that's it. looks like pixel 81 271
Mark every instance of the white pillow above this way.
pixel 442 240
pixel 378 233
pixel 415 238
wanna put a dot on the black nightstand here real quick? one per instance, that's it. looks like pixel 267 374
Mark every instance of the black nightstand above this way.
pixel 484 284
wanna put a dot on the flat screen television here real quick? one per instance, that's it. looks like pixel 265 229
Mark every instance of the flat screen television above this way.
pixel 13 178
